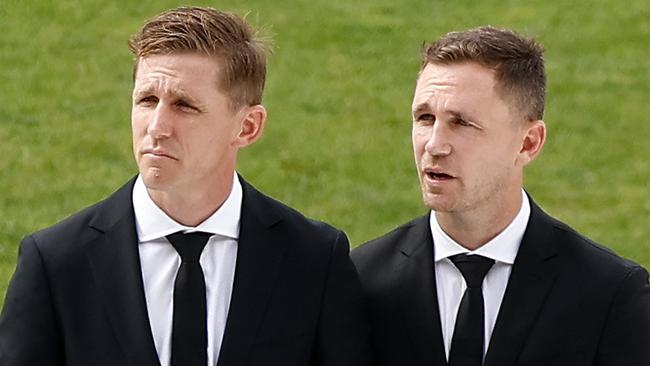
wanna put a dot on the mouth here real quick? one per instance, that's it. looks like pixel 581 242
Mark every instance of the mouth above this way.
pixel 438 175
pixel 158 154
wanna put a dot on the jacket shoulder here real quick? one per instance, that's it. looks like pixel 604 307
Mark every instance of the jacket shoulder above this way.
pixel 597 262
pixel 381 251
pixel 592 255
pixel 73 224
pixel 271 212
pixel 86 223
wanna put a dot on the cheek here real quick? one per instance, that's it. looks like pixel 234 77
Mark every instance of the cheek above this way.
pixel 138 124
pixel 419 140
pixel 138 132
pixel 491 164
pixel 506 156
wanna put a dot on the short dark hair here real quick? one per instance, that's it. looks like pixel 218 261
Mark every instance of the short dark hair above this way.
pixel 222 35
pixel 518 63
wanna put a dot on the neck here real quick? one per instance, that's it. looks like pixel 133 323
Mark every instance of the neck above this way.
pixel 190 207
pixel 474 228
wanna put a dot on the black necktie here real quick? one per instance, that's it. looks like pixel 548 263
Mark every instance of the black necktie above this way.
pixel 467 342
pixel 189 328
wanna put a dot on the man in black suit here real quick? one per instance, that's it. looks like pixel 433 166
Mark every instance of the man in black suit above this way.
pixel 488 278
pixel 187 264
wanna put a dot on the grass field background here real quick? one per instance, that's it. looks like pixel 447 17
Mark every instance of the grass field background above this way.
pixel 337 142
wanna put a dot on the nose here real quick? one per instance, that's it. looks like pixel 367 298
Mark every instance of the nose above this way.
pixel 438 143
pixel 160 124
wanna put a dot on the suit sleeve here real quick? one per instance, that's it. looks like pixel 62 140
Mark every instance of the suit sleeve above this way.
pixel 29 334
pixel 343 338
pixel 626 336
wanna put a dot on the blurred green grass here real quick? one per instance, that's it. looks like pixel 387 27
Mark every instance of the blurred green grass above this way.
pixel 337 142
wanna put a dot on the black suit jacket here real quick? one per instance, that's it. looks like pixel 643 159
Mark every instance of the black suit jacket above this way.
pixel 77 296
pixel 568 301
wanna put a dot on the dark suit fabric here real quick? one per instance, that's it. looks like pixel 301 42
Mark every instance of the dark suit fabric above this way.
pixel 568 301
pixel 77 296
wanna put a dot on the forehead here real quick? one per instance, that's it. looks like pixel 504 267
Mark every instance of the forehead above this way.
pixel 462 82
pixel 185 71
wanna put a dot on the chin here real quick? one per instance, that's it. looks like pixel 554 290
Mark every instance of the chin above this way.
pixel 155 179
pixel 438 202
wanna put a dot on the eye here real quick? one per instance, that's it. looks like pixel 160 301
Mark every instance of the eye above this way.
pixel 425 117
pixel 461 122
pixel 148 100
pixel 186 107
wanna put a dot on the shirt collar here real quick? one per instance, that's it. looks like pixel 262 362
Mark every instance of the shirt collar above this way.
pixel 502 248
pixel 153 223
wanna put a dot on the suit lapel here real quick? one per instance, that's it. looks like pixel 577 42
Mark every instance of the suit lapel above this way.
pixel 259 258
pixel 418 298
pixel 532 276
pixel 115 265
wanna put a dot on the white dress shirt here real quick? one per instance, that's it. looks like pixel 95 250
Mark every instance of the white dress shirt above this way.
pixel 451 285
pixel 160 263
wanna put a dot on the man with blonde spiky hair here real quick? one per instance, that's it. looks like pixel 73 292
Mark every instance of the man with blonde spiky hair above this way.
pixel 187 264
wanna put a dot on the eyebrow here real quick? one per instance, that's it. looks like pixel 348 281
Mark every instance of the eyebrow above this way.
pixel 457 114
pixel 467 118
pixel 420 108
pixel 175 93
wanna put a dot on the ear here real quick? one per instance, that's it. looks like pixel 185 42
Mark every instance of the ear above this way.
pixel 252 125
pixel 532 143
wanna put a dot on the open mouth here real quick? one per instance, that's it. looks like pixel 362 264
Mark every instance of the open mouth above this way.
pixel 438 176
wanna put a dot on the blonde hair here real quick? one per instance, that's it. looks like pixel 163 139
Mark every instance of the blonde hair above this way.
pixel 225 36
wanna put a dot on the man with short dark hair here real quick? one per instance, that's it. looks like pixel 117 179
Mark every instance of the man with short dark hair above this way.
pixel 487 278
pixel 187 264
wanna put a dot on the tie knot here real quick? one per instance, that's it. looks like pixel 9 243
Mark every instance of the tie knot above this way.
pixel 189 246
pixel 472 267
